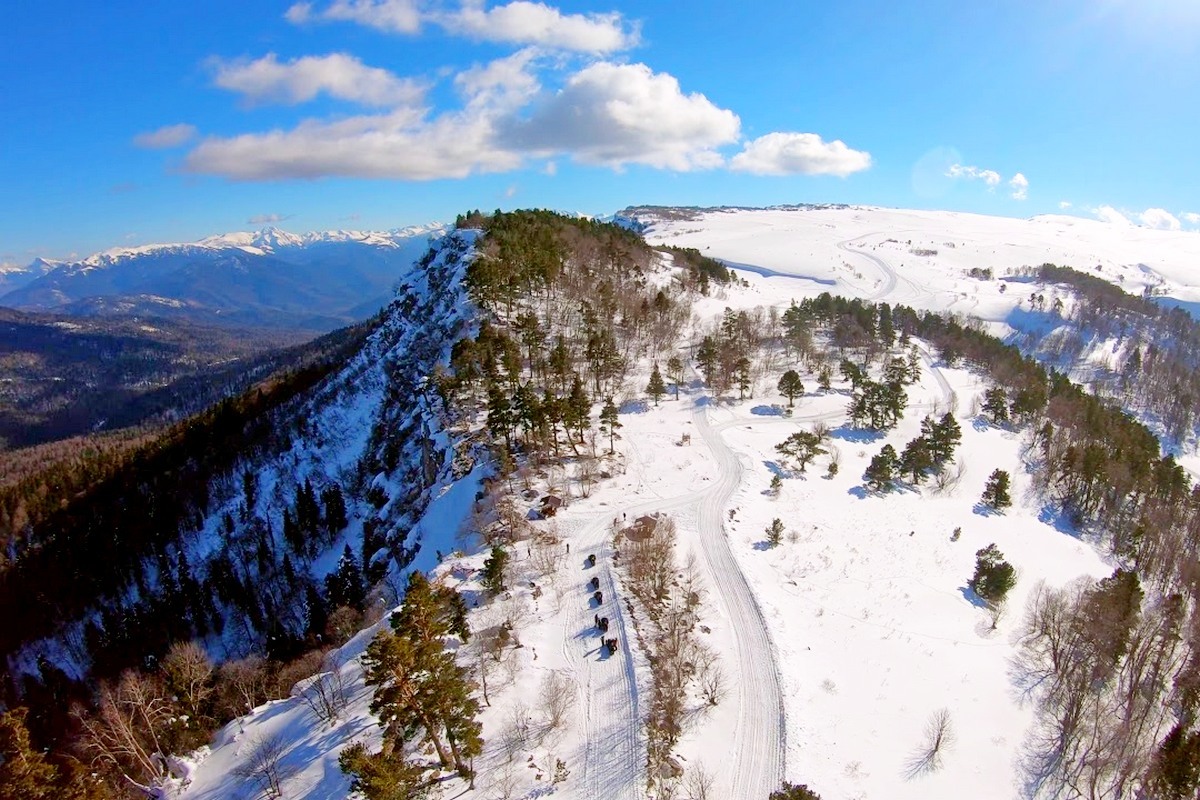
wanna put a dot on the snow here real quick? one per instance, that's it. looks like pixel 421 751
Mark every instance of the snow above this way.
pixel 840 643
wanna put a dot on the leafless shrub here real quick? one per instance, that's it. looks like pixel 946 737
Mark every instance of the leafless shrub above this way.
pixel 343 623
pixel 264 766
pixel 546 554
pixel 949 476
pixel 699 783
pixel 325 693
pixel 555 699
pixel 286 677
pixel 712 682
pixel 938 739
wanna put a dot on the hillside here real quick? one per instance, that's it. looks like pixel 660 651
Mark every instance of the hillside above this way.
pixel 559 423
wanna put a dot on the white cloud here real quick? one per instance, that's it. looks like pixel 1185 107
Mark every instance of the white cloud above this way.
pixel 990 177
pixel 299 80
pixel 617 114
pixel 1159 219
pixel 395 16
pixel 1192 217
pixel 1019 186
pixel 523 22
pixel 520 22
pixel 401 145
pixel 166 137
pixel 1111 215
pixel 1064 204
pixel 799 154
pixel 507 82
pixel 267 219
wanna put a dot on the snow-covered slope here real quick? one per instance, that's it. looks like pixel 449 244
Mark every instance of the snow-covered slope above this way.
pixel 840 644
pixel 922 258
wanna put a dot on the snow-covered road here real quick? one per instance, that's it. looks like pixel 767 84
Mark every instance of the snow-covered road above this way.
pixel 755 761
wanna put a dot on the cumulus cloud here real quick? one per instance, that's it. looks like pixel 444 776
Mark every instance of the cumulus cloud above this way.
pixel 1064 204
pixel 401 144
pixel 799 154
pixel 1019 186
pixel 618 114
pixel 394 16
pixel 267 219
pixel 1192 218
pixel 990 177
pixel 268 80
pixel 527 23
pixel 1111 215
pixel 506 83
pixel 166 137
pixel 1159 219
pixel 520 22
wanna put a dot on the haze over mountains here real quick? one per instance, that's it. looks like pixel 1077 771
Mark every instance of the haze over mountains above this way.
pixel 271 278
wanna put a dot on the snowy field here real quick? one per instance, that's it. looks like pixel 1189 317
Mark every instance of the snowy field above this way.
pixel 839 644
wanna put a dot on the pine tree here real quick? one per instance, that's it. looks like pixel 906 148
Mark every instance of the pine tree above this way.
pixel 916 459
pixel 335 509
pixel 383 776
pixel 776 484
pixel 775 532
pixel 993 577
pixel 494 569
pixel 656 388
pixel 610 423
pixel 825 378
pixel 790 386
pixel 802 447
pixel 578 410
pixel 344 586
pixel 995 492
pixel 995 405
pixel 882 470
pixel 794 792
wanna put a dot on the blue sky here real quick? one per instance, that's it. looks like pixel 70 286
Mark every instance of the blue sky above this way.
pixel 135 122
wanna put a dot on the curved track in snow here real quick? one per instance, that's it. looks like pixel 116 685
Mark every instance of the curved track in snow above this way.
pixel 755 764
pixel 889 275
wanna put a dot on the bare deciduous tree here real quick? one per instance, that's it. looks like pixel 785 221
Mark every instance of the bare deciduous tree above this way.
pixel 938 738
pixel 125 732
pixel 555 700
pixel 699 784
pixel 264 766
pixel 325 693
pixel 189 673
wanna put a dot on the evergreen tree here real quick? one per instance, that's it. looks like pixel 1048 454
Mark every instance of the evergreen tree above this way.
pixel 577 412
pixel 656 388
pixel 706 356
pixel 610 422
pixel 775 532
pixel 882 470
pixel 825 378
pixel 995 405
pixel 675 372
pixel 802 447
pixel 344 586
pixel 383 776
pixel 790 386
pixel 794 792
pixel 1175 771
pixel 995 492
pixel 500 417
pixel 335 509
pixel 941 437
pixel 993 577
pixel 494 569
pixel 916 459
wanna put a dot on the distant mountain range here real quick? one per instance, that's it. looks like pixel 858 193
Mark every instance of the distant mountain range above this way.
pixel 269 278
